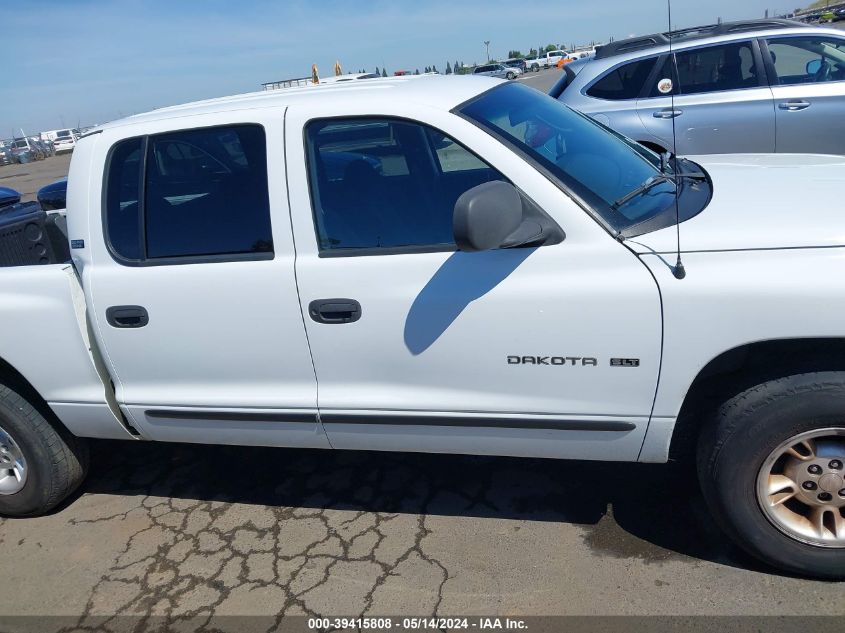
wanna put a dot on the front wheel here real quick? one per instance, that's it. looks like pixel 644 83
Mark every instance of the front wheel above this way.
pixel 510 76
pixel 40 464
pixel 772 469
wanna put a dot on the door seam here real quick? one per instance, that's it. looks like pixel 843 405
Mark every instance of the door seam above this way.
pixel 296 278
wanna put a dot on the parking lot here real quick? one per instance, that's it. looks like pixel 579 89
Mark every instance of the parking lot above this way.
pixel 180 530
pixel 189 531
pixel 30 177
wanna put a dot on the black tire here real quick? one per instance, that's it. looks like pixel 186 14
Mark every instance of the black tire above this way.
pixel 733 447
pixel 510 76
pixel 56 461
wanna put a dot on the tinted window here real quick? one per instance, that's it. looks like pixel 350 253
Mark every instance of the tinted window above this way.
pixel 801 60
pixel 204 193
pixel 716 68
pixel 122 186
pixel 378 183
pixel 625 82
pixel 663 72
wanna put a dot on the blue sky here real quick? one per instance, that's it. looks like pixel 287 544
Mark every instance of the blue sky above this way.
pixel 91 61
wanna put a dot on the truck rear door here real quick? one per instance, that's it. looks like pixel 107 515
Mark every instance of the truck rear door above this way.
pixel 191 284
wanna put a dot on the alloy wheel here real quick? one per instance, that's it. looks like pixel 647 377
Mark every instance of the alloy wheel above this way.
pixel 801 487
pixel 12 465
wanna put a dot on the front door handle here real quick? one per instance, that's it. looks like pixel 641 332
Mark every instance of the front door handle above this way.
pixel 334 311
pixel 667 113
pixel 127 316
pixel 794 106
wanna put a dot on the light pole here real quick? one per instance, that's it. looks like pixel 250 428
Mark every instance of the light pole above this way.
pixel 487 44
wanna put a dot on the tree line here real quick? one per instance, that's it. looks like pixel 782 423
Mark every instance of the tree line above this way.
pixel 458 68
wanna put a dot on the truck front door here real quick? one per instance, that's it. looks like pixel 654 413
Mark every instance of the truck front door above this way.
pixel 548 351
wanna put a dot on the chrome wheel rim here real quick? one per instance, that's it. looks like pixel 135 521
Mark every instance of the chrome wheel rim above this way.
pixel 12 465
pixel 801 487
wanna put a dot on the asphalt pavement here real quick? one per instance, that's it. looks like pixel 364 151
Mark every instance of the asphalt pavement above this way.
pixel 542 80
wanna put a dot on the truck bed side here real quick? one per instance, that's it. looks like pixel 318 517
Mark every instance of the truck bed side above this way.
pixel 45 339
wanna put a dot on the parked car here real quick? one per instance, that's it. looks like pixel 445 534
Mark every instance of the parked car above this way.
pixel 516 63
pixel 497 70
pixel 545 60
pixel 46 147
pixel 423 308
pixel 64 140
pixel 24 151
pixel 37 148
pixel 757 86
pixel 53 196
pixel 6 157
pixel 575 56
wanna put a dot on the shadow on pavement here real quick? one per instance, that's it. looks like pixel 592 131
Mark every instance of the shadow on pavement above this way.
pixel 639 511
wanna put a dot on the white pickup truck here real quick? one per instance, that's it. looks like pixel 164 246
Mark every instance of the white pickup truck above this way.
pixel 545 60
pixel 440 264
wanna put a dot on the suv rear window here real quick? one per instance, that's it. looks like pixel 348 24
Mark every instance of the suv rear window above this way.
pixel 625 82
pixel 189 194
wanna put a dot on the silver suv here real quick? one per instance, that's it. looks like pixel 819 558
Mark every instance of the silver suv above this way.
pixel 497 70
pixel 756 86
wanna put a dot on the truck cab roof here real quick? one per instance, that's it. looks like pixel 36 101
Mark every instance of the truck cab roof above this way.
pixel 436 91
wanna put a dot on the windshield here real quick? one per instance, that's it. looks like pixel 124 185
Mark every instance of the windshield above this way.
pixel 598 165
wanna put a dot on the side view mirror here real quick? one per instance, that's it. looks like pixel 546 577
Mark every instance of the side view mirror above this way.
pixel 496 215
pixel 813 66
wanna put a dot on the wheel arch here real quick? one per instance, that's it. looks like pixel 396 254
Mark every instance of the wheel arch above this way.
pixel 13 379
pixel 742 367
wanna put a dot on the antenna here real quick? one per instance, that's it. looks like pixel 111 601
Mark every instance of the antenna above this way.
pixel 678 270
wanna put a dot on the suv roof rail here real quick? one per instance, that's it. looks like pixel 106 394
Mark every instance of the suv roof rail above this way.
pixel 709 30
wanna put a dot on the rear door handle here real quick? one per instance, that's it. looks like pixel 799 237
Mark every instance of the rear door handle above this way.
pixel 334 311
pixel 793 106
pixel 667 113
pixel 127 316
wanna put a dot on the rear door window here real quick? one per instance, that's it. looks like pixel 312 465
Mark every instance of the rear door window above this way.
pixel 625 82
pixel 717 68
pixel 189 194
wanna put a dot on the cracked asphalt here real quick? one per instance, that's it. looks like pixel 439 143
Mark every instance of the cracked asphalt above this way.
pixel 187 532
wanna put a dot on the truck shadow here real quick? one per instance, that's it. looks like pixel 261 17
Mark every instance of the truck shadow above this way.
pixel 648 512
pixel 463 278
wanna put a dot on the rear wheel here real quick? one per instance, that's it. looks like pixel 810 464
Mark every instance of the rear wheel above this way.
pixel 772 468
pixel 40 464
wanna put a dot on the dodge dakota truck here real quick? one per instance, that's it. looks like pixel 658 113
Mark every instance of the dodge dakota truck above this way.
pixel 446 265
